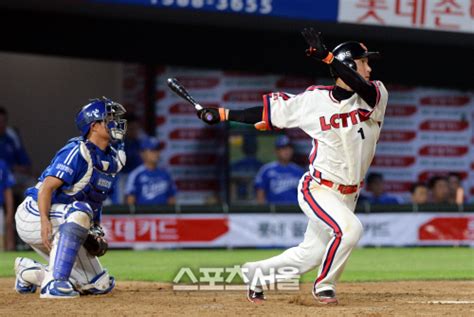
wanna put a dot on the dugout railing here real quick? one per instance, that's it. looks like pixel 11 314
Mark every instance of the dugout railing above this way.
pixel 252 208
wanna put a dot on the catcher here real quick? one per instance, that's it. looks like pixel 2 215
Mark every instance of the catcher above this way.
pixel 60 216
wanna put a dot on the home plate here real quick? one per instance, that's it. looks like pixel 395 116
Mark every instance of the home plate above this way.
pixel 445 302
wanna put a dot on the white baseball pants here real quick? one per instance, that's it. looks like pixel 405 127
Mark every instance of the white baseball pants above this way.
pixel 333 231
pixel 28 226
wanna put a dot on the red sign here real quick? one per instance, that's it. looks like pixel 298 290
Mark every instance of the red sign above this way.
pixel 244 95
pixel 447 229
pixel 453 101
pixel 193 133
pixel 397 187
pixel 393 161
pixel 199 82
pixel 159 94
pixel 444 150
pixel 159 120
pixel 186 108
pixel 155 229
pixel 400 111
pixel 197 185
pixel 294 83
pixel 426 175
pixel 193 159
pixel 444 125
pixel 397 136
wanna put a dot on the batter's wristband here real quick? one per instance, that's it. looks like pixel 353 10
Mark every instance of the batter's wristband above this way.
pixel 222 114
pixel 328 59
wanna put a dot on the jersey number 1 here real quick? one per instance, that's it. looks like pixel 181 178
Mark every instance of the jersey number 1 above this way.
pixel 361 133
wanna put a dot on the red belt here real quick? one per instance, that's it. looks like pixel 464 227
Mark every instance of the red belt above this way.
pixel 343 189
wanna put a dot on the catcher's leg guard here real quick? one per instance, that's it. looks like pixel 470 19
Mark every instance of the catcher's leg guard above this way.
pixel 100 284
pixel 72 235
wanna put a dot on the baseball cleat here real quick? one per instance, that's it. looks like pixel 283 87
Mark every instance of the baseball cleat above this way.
pixel 255 297
pixel 22 286
pixel 58 289
pixel 326 297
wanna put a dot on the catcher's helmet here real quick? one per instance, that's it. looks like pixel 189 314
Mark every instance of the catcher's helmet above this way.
pixel 347 52
pixel 103 109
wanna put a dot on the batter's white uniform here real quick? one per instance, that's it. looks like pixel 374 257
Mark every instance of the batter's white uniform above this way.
pixel 344 137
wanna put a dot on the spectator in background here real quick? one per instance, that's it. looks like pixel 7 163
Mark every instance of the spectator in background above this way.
pixel 7 232
pixel 244 170
pixel 277 182
pixel 149 184
pixel 419 193
pixel 375 191
pixel 11 147
pixel 439 190
pixel 132 142
pixel 15 156
pixel 456 192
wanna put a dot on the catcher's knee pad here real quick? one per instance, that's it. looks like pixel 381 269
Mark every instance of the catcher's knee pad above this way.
pixel 71 236
pixel 81 213
pixel 103 283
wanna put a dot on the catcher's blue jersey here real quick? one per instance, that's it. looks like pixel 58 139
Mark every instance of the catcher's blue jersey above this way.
pixel 85 177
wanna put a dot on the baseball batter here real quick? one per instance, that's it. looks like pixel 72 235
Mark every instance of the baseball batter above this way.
pixel 344 122
pixel 60 217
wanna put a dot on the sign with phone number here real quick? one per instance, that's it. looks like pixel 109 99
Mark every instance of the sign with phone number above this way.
pixel 295 9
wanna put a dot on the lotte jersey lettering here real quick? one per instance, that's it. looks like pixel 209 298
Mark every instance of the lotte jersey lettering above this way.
pixel 346 131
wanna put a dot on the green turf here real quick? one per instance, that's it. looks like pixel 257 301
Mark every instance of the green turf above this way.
pixel 371 264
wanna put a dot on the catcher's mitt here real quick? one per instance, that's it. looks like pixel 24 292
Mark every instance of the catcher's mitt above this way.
pixel 95 242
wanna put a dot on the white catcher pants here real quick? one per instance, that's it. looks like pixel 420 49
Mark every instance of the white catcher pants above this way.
pixel 333 231
pixel 28 226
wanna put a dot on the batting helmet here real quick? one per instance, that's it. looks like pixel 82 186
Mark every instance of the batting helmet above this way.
pixel 103 109
pixel 347 52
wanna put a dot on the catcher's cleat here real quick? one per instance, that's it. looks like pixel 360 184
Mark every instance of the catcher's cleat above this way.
pixel 22 286
pixel 325 297
pixel 58 289
pixel 255 297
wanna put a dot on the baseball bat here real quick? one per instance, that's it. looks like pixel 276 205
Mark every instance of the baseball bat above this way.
pixel 178 89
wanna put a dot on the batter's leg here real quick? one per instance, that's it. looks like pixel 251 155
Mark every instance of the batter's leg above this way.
pixel 303 258
pixel 332 210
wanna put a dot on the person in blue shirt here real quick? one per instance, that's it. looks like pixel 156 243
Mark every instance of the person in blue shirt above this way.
pixel 375 193
pixel 132 143
pixel 6 199
pixel 244 170
pixel 277 182
pixel 65 206
pixel 149 184
pixel 12 150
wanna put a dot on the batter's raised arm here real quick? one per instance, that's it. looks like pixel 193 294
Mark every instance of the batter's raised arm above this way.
pixel 342 63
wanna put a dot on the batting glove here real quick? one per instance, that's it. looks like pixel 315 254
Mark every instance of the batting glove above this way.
pixel 317 49
pixel 212 115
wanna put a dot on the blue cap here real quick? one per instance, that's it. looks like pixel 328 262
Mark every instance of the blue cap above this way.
pixel 282 141
pixel 151 144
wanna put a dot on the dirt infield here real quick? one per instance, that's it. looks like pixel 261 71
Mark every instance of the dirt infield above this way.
pixel 439 298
